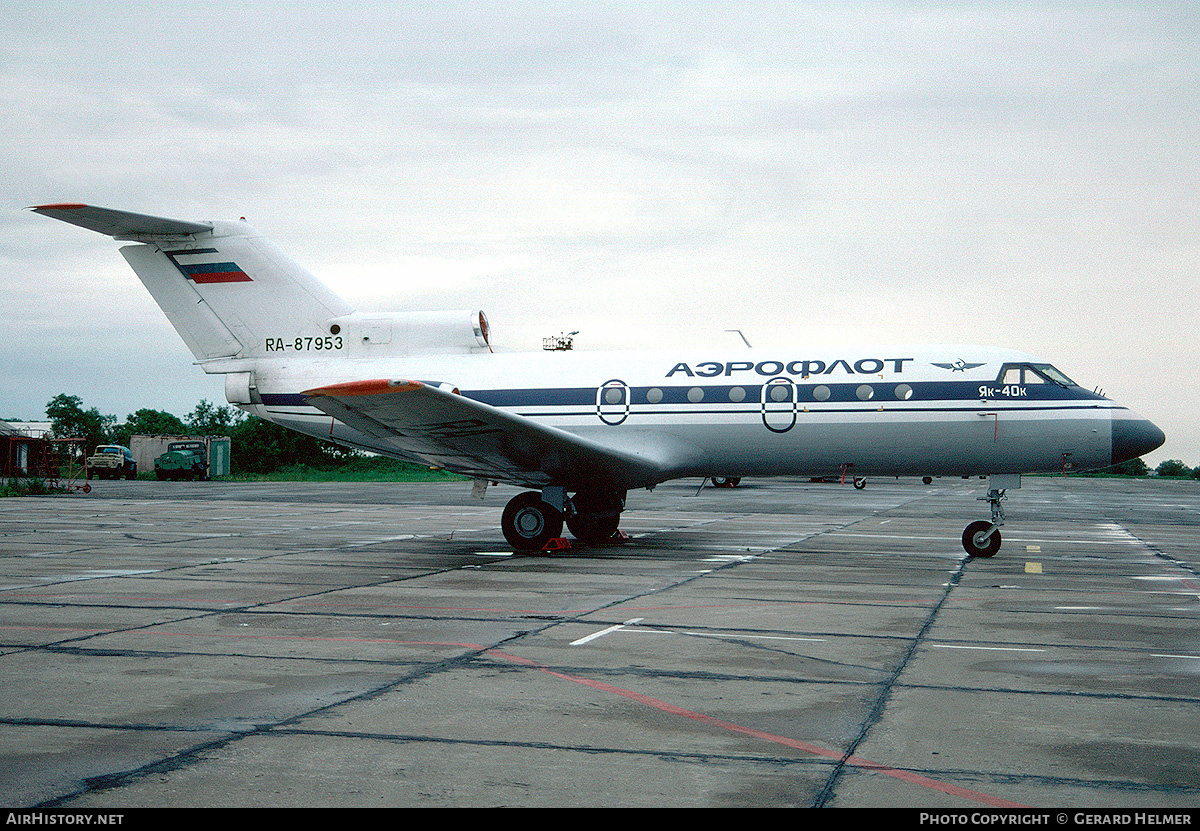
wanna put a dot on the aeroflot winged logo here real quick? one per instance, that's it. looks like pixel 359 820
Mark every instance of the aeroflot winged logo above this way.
pixel 191 262
pixel 957 366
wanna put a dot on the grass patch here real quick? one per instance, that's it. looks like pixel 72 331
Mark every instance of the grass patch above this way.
pixel 32 486
pixel 362 469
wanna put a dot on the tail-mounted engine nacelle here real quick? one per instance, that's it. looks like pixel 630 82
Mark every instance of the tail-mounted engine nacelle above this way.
pixel 404 333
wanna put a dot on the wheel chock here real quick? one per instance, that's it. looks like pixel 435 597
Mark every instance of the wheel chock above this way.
pixel 557 544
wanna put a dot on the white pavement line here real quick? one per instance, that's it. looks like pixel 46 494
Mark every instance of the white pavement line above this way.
pixel 604 632
pixel 986 648
pixel 715 635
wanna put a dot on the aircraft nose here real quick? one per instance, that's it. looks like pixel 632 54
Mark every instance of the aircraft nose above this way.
pixel 1133 436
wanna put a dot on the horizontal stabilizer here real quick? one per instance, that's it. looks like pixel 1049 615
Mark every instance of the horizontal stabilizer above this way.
pixel 465 436
pixel 121 224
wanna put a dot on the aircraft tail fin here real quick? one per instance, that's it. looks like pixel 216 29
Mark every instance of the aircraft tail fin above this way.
pixel 228 291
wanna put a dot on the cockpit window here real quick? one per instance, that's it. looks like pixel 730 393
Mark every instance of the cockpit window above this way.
pixel 1054 375
pixel 1033 374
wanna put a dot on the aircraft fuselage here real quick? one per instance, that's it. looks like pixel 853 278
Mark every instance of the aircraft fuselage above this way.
pixel 897 411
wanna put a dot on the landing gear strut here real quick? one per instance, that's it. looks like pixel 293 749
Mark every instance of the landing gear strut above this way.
pixel 982 538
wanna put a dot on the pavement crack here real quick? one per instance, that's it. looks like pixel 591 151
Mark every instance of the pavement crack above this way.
pixel 885 691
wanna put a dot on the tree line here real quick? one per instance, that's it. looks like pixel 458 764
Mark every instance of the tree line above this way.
pixel 259 446
pixel 1168 469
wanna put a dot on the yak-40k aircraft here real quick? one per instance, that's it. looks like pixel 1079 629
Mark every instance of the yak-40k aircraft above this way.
pixel 582 429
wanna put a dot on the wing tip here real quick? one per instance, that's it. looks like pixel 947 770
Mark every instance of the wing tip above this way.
pixel 58 206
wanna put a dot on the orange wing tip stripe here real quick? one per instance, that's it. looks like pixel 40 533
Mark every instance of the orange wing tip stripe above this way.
pixel 375 387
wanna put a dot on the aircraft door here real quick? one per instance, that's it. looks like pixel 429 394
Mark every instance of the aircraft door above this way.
pixel 779 405
pixel 612 402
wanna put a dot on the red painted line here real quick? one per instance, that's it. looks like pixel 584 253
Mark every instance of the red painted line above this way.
pixel 795 744
pixel 101 633
pixel 90 600
pixel 657 704
pixel 87 600
pixel 309 638
pixel 416 607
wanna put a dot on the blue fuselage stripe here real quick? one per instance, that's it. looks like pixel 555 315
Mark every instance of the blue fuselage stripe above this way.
pixel 931 396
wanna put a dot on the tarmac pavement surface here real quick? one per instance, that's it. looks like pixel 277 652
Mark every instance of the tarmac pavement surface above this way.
pixel 784 643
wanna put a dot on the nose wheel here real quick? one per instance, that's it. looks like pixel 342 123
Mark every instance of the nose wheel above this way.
pixel 982 538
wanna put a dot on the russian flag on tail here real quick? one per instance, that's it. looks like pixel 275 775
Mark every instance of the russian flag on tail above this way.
pixel 202 272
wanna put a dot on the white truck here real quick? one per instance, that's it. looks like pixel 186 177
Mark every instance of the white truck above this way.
pixel 111 461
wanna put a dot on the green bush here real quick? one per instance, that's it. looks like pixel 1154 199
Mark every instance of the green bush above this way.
pixel 1173 468
pixel 32 486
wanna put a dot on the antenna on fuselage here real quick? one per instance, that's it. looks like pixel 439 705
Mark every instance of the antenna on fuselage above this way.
pixel 740 335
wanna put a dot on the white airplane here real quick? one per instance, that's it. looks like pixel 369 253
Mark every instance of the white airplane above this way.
pixel 582 429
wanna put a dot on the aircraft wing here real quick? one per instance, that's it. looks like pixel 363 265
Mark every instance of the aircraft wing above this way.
pixel 454 432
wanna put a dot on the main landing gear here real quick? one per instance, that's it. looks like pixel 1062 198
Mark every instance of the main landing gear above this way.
pixel 532 519
pixel 982 538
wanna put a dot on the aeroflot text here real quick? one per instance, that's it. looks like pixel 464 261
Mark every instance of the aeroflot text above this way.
pixel 864 366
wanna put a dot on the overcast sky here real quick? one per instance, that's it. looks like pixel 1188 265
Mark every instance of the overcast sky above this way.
pixel 649 173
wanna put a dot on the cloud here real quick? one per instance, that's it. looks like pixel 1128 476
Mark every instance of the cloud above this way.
pixel 1021 174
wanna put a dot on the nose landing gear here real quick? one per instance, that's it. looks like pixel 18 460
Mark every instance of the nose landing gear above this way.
pixel 982 538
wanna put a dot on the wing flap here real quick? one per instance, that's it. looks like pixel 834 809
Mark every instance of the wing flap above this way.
pixel 465 436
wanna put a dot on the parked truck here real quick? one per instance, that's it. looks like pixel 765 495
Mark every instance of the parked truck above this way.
pixel 111 461
pixel 183 457
pixel 183 460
